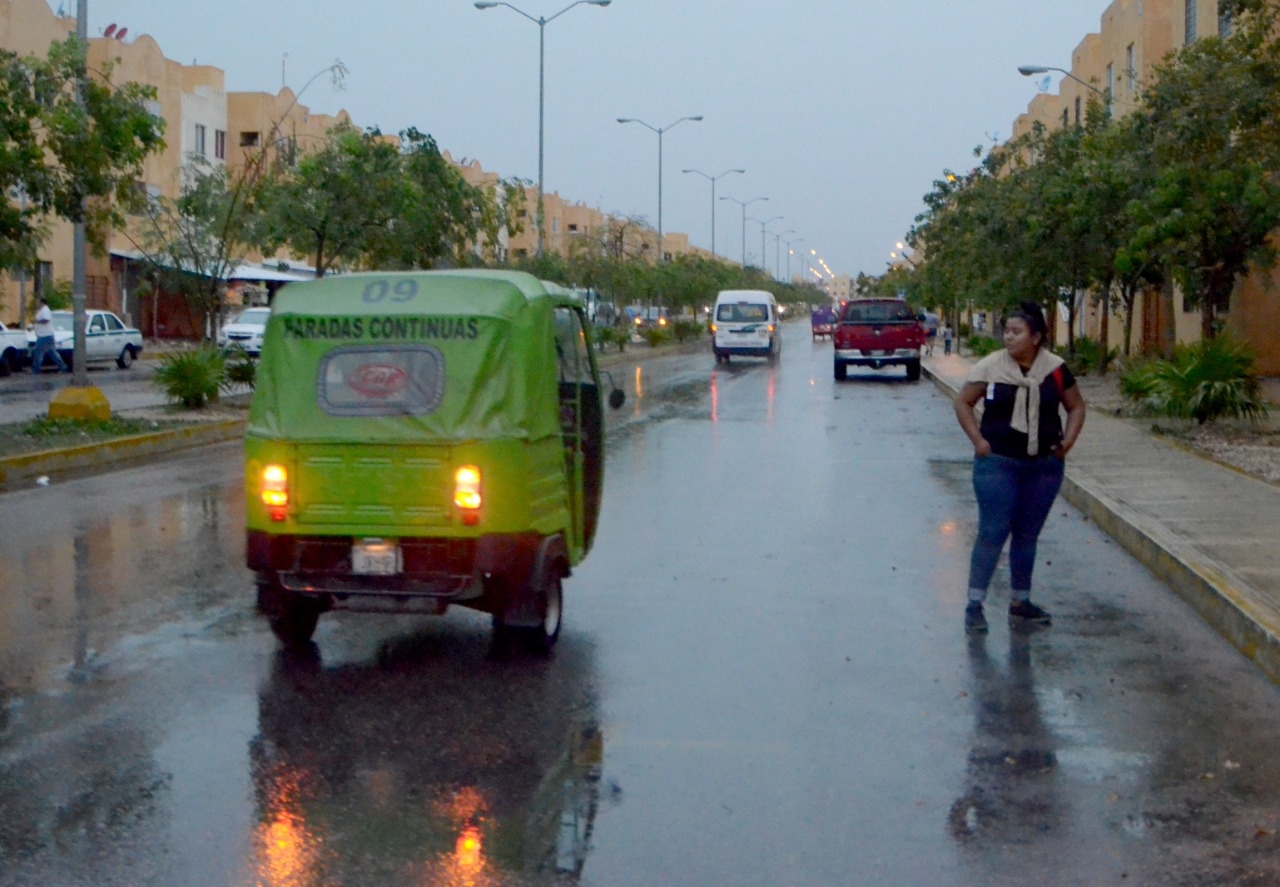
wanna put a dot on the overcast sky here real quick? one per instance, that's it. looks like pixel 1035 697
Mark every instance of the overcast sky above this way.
pixel 843 112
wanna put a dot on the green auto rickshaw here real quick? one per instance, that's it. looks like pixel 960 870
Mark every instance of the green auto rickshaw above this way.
pixel 423 439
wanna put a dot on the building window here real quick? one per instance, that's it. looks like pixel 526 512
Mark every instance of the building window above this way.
pixel 220 144
pixel 248 140
pixel 43 279
pixel 573 228
pixel 200 138
pixel 1129 71
pixel 1077 110
pixel 1226 23
pixel 1066 118
pixel 1190 36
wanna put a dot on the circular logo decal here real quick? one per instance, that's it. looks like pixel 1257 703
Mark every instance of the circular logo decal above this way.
pixel 378 380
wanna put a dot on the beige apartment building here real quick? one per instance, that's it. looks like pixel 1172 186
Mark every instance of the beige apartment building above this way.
pixel 1118 60
pixel 202 118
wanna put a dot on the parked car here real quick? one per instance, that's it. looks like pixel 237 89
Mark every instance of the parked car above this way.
pixel 106 338
pixel 878 333
pixel 642 318
pixel 13 350
pixel 245 330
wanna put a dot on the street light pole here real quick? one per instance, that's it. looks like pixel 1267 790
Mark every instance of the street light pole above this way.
pixel 79 245
pixel 660 130
pixel 790 251
pixel 541 22
pixel 713 198
pixel 1030 70
pixel 763 255
pixel 744 205
pixel 777 252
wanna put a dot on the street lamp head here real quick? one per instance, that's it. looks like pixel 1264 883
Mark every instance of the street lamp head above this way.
pixel 485 4
pixel 599 2
pixel 626 120
pixel 1029 70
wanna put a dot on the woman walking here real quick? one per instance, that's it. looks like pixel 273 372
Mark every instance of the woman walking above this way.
pixel 1018 449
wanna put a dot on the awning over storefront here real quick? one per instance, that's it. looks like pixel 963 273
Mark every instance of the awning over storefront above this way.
pixel 268 272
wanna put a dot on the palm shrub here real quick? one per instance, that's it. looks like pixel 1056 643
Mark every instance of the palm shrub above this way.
pixel 1206 381
pixel 239 370
pixel 656 336
pixel 686 330
pixel 191 378
pixel 1089 357
pixel 981 346
pixel 604 336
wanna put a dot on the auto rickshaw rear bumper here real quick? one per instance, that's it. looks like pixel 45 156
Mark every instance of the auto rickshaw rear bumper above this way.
pixel 435 572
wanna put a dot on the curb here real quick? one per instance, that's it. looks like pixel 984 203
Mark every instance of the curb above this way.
pixel 16 470
pixel 1233 607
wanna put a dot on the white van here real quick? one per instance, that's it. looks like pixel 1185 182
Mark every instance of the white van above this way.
pixel 745 322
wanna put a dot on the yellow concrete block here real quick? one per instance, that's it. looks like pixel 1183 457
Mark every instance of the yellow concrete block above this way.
pixel 85 404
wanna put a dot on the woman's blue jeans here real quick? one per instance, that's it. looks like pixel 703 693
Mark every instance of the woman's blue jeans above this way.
pixel 1014 498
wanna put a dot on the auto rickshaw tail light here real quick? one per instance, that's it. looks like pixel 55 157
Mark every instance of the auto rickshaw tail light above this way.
pixel 466 493
pixel 275 491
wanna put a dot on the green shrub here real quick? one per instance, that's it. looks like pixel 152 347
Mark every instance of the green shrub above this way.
pixel 191 378
pixel 239 369
pixel 1206 381
pixel 604 336
pixel 687 330
pixel 981 346
pixel 1088 357
pixel 656 336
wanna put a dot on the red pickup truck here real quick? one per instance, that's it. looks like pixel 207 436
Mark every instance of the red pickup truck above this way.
pixel 878 333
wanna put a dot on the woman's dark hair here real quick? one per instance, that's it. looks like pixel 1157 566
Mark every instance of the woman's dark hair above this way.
pixel 1032 315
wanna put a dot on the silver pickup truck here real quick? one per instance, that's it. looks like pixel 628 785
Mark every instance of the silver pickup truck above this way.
pixel 13 350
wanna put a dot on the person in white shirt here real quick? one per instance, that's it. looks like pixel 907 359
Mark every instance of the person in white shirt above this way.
pixel 45 342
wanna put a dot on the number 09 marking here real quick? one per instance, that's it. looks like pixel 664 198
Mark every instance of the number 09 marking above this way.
pixel 377 291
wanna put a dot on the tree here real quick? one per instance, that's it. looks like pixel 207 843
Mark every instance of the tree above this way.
pixel 1215 197
pixel 75 159
pixel 442 217
pixel 195 241
pixel 338 204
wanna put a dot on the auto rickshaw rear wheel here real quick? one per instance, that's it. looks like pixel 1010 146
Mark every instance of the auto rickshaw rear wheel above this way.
pixel 544 596
pixel 292 617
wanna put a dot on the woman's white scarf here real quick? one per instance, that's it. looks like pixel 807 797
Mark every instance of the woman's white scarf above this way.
pixel 999 367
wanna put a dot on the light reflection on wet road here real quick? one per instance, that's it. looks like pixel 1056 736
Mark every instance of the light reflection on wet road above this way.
pixel 762 680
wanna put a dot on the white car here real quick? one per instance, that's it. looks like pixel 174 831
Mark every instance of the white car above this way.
pixel 13 350
pixel 106 338
pixel 245 330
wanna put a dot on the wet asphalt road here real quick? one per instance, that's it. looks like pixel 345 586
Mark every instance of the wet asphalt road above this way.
pixel 762 680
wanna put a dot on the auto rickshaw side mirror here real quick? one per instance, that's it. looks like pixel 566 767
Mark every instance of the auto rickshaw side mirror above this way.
pixel 617 397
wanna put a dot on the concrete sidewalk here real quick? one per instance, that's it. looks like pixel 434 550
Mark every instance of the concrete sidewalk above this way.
pixel 1211 533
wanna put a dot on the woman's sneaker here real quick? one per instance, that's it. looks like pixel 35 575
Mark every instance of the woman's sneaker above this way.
pixel 1028 612
pixel 975 622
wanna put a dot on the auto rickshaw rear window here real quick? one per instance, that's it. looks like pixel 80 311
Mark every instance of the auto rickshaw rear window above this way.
pixel 384 380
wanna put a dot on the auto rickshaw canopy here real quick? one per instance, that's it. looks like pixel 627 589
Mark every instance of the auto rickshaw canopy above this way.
pixel 413 357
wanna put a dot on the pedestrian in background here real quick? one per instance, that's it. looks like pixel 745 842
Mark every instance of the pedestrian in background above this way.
pixel 1018 449
pixel 946 339
pixel 45 342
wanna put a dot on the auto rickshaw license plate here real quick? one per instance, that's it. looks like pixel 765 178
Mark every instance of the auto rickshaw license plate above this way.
pixel 376 557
